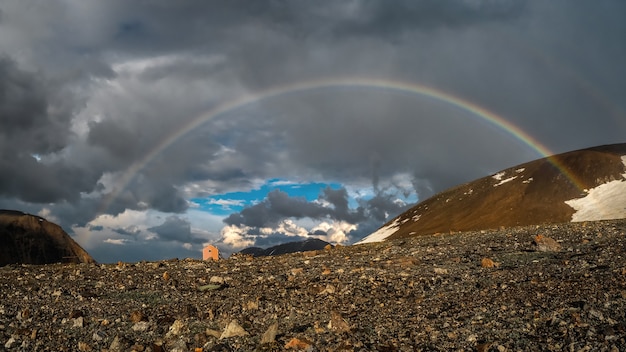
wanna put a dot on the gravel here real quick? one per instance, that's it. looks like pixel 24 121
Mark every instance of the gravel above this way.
pixel 500 290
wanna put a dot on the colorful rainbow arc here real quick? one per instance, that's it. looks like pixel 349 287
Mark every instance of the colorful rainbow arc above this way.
pixel 349 82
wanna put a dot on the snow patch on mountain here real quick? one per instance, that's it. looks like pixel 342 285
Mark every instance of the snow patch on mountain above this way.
pixel 505 181
pixel 498 176
pixel 605 202
pixel 382 233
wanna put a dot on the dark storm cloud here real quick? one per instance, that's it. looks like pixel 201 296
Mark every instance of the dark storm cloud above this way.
pixel 378 17
pixel 339 200
pixel 279 206
pixel 26 99
pixel 132 232
pixel 120 142
pixel 166 199
pixel 176 229
pixel 136 27
pixel 35 124
pixel 381 206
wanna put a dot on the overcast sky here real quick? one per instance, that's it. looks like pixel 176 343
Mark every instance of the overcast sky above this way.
pixel 106 123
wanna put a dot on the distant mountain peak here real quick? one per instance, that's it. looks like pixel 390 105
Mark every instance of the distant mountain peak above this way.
pixel 583 185
pixel 310 244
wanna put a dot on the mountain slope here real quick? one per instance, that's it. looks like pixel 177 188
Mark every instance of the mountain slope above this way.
pixel 30 239
pixel 587 184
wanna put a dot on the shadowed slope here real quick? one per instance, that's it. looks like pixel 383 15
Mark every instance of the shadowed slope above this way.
pixel 30 239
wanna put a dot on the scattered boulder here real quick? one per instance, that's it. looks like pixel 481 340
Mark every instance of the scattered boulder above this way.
pixel 546 244
pixel 270 334
pixel 233 329
pixel 337 322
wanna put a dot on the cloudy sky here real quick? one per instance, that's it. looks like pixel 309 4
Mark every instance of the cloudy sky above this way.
pixel 148 129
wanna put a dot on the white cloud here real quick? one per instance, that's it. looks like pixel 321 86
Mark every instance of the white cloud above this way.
pixel 235 237
pixel 126 219
pixel 336 231
pixel 105 226
pixel 226 203
pixel 116 241
pixel 277 183
pixel 287 227
pixel 46 214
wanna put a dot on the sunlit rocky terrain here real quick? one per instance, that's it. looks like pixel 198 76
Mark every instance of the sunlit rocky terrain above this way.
pixel 553 287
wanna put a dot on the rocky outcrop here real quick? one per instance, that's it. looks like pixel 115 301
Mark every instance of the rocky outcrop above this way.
pixel 30 239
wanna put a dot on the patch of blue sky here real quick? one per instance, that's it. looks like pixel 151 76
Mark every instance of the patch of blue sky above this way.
pixel 228 203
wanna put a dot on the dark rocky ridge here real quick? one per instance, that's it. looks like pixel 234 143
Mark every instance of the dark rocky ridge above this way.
pixel 427 293
pixel 537 195
pixel 310 244
pixel 31 239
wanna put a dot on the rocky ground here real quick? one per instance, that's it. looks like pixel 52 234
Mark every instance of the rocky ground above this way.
pixel 505 290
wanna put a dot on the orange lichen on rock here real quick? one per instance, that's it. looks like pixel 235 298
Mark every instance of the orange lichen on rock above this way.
pixel 298 344
pixel 488 263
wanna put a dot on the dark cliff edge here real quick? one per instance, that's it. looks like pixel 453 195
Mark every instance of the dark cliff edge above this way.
pixel 31 239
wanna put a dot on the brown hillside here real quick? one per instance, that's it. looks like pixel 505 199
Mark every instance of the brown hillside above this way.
pixel 535 193
pixel 30 239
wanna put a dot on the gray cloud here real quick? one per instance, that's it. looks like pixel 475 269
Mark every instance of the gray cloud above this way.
pixel 36 124
pixel 377 16
pixel 28 108
pixel 277 206
pixel 176 229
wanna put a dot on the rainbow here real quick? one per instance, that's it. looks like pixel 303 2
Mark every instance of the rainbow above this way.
pixel 349 82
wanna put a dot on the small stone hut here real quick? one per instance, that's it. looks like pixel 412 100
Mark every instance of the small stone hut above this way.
pixel 210 252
